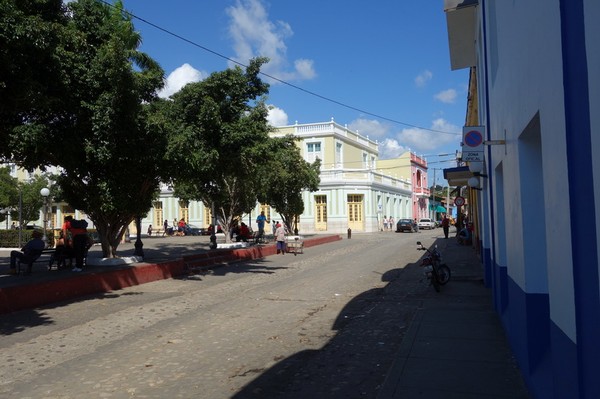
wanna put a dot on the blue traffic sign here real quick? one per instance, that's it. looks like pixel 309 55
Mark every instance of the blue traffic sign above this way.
pixel 473 138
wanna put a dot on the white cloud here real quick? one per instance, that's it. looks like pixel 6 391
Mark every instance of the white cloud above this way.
pixel 305 69
pixel 369 127
pixel 422 79
pixel 446 96
pixel 425 140
pixel 391 148
pixel 277 116
pixel 393 143
pixel 180 77
pixel 254 34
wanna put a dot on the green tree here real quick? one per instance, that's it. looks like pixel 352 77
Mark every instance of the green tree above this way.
pixel 8 192
pixel 218 140
pixel 8 188
pixel 101 135
pixel 23 195
pixel 31 83
pixel 284 178
pixel 31 200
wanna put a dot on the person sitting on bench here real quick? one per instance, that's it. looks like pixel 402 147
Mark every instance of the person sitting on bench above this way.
pixel 28 254
pixel 243 233
pixel 62 252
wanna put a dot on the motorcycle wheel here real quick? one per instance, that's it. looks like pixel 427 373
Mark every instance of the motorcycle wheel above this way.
pixel 435 281
pixel 443 274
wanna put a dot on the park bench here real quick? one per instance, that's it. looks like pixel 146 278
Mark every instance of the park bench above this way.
pixel 44 256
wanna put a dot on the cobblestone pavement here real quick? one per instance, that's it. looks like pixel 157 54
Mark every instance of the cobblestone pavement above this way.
pixel 323 324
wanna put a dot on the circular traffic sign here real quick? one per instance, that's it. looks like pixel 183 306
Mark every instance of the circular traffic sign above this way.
pixel 459 201
pixel 473 138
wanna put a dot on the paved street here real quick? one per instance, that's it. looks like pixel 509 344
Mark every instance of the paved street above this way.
pixel 319 324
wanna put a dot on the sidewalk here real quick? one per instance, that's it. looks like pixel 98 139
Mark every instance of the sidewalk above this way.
pixel 455 347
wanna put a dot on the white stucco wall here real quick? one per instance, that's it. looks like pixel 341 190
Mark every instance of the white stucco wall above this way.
pixel 528 80
pixel 592 12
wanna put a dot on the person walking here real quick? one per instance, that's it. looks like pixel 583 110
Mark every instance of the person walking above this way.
pixel 260 221
pixel 280 238
pixel 446 226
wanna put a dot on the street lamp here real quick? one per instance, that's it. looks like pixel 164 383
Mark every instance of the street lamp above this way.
pixel 139 245
pixel 45 192
pixel 20 216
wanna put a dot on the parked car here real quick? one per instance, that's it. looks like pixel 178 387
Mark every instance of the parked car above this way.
pixel 195 230
pixel 426 223
pixel 405 225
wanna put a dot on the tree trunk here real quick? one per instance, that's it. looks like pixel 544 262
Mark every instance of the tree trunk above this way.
pixel 287 222
pixel 110 238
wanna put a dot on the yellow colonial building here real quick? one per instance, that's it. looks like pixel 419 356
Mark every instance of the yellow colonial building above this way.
pixel 354 193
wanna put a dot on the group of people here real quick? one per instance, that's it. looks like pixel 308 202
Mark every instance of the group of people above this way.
pixel 72 242
pixel 179 228
pixel 388 223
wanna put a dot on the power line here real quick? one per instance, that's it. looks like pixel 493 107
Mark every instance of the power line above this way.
pixel 309 92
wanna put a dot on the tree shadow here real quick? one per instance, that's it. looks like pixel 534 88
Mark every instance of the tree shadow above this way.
pixel 355 362
pixel 15 322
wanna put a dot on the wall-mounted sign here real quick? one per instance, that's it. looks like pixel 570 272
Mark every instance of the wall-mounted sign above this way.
pixel 473 143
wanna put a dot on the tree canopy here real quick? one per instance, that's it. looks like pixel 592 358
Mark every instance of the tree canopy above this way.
pixel 97 129
pixel 76 93
pixel 31 72
pixel 219 140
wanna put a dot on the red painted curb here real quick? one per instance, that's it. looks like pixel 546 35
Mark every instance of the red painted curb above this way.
pixel 40 294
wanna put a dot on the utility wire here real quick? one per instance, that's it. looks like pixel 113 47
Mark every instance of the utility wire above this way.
pixel 312 93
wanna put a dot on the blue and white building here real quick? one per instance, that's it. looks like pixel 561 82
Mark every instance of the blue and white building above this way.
pixel 537 67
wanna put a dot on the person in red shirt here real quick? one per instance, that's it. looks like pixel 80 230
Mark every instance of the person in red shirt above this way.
pixel 244 232
pixel 181 227
pixel 77 237
pixel 446 226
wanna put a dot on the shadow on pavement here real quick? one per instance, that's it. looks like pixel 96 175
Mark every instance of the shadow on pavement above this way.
pixel 354 363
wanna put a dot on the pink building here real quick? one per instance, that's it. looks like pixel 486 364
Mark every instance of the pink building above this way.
pixel 420 192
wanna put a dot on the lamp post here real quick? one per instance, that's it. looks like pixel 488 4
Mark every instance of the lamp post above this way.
pixel 20 216
pixel 45 192
pixel 139 245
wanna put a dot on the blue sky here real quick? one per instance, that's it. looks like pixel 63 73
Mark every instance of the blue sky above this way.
pixel 387 57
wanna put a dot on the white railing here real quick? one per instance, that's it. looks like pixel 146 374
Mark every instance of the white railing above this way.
pixel 363 175
pixel 332 127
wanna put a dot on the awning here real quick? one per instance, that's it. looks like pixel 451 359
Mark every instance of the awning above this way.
pixel 437 208
pixel 458 176
pixel 461 20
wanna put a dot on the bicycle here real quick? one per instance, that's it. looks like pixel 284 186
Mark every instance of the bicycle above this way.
pixel 437 272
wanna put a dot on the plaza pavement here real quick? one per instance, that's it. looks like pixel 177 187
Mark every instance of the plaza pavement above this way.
pixel 455 348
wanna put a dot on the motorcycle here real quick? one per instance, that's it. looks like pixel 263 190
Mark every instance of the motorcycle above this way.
pixel 437 272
